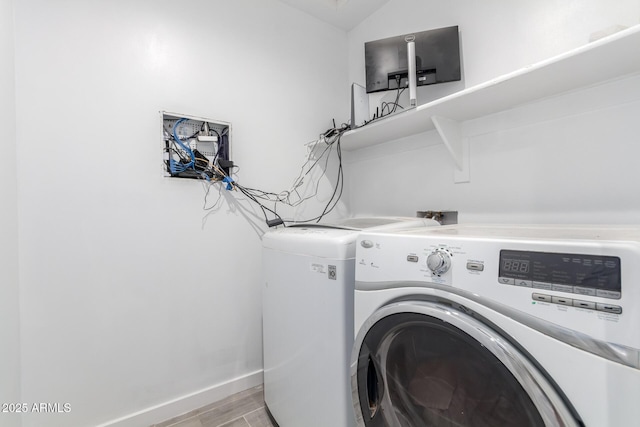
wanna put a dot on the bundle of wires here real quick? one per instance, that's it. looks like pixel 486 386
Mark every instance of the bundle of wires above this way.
pixel 293 197
pixel 189 163
pixel 177 167
pixel 185 161
pixel 392 107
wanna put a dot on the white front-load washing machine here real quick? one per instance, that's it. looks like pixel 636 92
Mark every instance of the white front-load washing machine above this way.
pixel 308 319
pixel 497 326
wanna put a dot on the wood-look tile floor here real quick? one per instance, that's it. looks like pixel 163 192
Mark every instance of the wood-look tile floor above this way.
pixel 244 409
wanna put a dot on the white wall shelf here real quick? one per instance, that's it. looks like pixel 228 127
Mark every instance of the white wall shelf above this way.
pixel 605 59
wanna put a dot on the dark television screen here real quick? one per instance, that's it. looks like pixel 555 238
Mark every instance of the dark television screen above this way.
pixel 437 59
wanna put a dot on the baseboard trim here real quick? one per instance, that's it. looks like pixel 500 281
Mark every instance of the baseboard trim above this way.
pixel 189 402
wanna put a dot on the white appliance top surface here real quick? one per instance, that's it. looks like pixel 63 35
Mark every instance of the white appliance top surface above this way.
pixel 537 232
pixel 379 222
pixel 337 239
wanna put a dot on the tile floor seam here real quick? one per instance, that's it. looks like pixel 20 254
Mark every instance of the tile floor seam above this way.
pixel 251 412
pixel 196 416
pixel 253 418
pixel 255 410
pixel 232 420
pixel 181 421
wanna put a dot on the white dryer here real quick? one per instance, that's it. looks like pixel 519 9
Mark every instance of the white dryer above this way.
pixel 498 326
pixel 308 319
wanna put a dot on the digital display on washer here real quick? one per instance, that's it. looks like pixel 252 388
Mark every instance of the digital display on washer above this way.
pixel 588 272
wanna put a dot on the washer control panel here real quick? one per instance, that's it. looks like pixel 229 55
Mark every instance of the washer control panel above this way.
pixel 584 279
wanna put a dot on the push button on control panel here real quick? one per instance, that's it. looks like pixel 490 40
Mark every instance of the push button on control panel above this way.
pixel 562 288
pixel 584 291
pixel 525 283
pixel 584 304
pixel 562 300
pixel 616 309
pixel 608 294
pixel 475 266
pixel 541 297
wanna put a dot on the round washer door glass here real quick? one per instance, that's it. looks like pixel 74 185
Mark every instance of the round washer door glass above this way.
pixel 416 370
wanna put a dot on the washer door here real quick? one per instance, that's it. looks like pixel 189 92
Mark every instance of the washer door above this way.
pixel 419 364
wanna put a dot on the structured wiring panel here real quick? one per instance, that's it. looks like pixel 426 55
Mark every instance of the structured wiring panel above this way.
pixel 196 147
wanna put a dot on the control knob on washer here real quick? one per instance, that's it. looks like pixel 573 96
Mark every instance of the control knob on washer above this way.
pixel 439 261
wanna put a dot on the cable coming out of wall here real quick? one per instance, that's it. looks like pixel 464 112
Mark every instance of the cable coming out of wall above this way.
pixel 199 149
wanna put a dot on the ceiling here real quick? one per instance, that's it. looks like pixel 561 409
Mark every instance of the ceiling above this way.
pixel 345 14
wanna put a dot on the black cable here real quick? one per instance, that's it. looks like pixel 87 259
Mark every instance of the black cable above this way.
pixel 278 197
pixel 225 131
pixel 340 180
pixel 339 184
pixel 332 137
pixel 262 207
pixel 394 103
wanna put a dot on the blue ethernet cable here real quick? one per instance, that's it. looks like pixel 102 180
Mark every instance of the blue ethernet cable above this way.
pixel 185 147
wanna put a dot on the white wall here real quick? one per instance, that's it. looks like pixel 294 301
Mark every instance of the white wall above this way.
pixel 9 302
pixel 567 159
pixel 130 298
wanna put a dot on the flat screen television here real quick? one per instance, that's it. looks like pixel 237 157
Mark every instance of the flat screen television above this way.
pixel 437 59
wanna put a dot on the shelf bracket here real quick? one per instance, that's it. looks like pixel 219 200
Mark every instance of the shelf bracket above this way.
pixel 458 146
